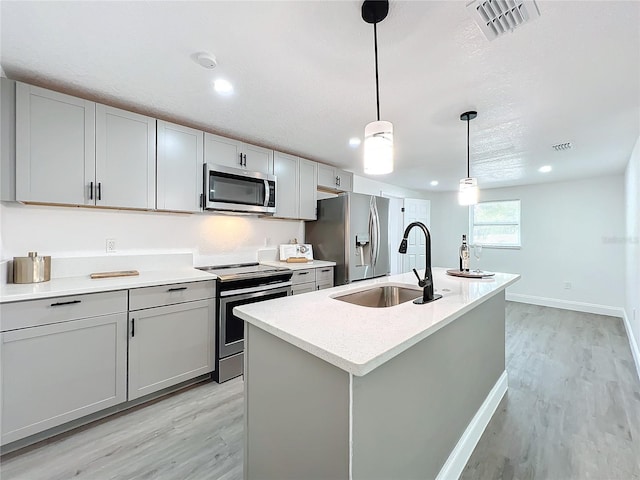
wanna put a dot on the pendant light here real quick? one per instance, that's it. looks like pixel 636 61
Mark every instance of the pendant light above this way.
pixel 468 194
pixel 378 135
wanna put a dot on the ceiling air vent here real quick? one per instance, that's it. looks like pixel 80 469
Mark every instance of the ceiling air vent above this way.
pixel 497 17
pixel 558 147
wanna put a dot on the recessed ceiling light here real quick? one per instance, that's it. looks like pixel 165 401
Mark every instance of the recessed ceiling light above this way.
pixel 354 142
pixel 223 87
pixel 545 169
pixel 434 183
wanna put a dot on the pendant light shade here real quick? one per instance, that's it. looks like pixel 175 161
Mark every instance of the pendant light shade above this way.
pixel 468 193
pixel 378 135
pixel 378 148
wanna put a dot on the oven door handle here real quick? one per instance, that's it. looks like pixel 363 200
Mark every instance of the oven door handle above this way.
pixel 266 289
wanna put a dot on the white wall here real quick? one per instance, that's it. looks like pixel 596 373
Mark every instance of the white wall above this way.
pixel 632 242
pixel 375 187
pixel 69 231
pixel 571 231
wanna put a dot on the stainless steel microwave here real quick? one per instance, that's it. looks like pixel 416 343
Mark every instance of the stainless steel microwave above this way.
pixel 237 190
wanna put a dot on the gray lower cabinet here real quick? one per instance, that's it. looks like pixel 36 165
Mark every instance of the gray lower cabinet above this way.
pixel 311 279
pixel 172 336
pixel 324 278
pixel 69 361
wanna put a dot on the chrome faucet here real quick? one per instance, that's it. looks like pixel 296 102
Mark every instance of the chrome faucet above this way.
pixel 427 282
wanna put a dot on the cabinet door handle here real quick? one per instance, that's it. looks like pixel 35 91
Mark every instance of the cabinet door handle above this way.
pixel 303 273
pixel 245 159
pixel 91 191
pixel 326 270
pixel 241 159
pixel 71 302
pixel 133 327
pixel 177 289
pixel 99 190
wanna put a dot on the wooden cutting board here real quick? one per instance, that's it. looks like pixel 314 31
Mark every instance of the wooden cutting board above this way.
pixel 121 273
pixel 298 260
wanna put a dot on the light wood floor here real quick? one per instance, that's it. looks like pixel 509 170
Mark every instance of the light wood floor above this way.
pixel 572 413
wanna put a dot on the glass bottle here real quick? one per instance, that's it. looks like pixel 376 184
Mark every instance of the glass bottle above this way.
pixel 465 255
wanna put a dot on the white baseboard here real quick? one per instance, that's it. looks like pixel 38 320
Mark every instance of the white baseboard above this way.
pixel 453 467
pixel 566 304
pixel 635 351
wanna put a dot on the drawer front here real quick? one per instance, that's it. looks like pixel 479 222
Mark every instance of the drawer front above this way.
pixel 148 297
pixel 303 288
pixel 303 276
pixel 324 275
pixel 322 286
pixel 33 313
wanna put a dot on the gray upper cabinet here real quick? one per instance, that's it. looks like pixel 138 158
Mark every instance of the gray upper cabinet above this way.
pixel 55 147
pixel 180 157
pixel 334 179
pixel 72 151
pixel 236 154
pixel 125 159
pixel 257 159
pixel 296 187
pixel 222 151
pixel 307 189
pixel 287 186
pixel 7 140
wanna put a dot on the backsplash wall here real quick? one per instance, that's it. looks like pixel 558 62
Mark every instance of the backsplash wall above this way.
pixel 72 231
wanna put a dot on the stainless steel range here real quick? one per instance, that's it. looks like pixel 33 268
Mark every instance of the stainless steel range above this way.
pixel 238 285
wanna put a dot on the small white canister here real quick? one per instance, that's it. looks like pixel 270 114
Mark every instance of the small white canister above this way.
pixel 31 269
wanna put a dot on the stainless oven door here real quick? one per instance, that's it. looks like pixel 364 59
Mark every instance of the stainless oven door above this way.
pixel 230 327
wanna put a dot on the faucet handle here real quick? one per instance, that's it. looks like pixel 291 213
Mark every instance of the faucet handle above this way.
pixel 421 282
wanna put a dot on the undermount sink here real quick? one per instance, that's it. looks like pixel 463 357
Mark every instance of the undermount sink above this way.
pixel 381 297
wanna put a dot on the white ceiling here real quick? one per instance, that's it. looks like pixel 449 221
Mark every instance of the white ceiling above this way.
pixel 303 73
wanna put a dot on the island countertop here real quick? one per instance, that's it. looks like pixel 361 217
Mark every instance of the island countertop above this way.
pixel 358 339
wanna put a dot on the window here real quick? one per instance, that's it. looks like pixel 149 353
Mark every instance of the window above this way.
pixel 495 224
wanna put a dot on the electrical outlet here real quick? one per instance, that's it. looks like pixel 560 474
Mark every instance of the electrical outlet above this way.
pixel 111 245
pixel 567 285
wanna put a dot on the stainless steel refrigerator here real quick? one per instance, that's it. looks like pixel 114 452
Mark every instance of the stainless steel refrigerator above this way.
pixel 352 230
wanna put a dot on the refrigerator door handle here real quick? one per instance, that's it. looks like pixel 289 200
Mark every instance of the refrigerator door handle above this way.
pixel 377 226
pixel 372 238
pixel 375 231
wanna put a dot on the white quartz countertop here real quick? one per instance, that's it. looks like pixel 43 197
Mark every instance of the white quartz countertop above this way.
pixel 358 339
pixel 58 287
pixel 300 266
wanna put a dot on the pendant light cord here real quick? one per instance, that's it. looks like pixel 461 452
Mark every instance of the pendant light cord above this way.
pixel 375 45
pixel 468 175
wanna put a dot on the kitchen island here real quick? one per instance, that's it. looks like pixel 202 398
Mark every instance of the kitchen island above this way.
pixel 337 390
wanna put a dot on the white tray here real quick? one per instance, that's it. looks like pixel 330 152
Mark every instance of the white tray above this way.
pixel 470 274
